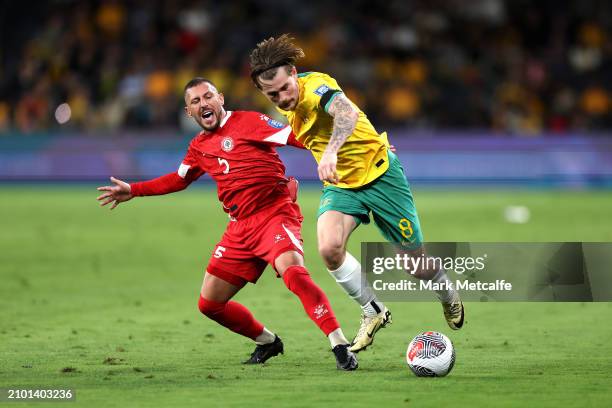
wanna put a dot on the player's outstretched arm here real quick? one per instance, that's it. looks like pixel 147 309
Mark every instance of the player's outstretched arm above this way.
pixel 345 119
pixel 119 192
pixel 170 183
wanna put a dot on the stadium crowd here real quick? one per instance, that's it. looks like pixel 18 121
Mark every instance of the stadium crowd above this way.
pixel 519 66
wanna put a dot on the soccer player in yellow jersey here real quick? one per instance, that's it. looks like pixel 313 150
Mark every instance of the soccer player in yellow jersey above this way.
pixel 360 176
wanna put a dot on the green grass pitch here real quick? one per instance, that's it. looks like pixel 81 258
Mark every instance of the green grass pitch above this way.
pixel 106 303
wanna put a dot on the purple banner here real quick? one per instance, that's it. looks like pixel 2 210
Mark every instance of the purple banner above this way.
pixel 429 158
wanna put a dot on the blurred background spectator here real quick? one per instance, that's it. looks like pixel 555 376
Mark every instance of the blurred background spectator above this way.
pixel 515 66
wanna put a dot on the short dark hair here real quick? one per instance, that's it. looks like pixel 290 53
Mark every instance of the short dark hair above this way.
pixel 271 54
pixel 197 81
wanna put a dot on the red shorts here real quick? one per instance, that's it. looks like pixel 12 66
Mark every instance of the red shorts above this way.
pixel 249 244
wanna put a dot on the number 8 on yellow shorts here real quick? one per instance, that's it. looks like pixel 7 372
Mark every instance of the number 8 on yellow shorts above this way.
pixel 388 198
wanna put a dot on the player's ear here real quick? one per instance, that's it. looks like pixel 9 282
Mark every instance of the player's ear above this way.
pixel 221 98
pixel 187 111
pixel 293 71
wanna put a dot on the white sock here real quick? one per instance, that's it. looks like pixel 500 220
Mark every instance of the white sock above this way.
pixel 444 295
pixel 337 337
pixel 348 276
pixel 266 337
pixel 372 308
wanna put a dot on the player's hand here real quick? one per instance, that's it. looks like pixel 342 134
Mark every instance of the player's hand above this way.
pixel 392 148
pixel 118 193
pixel 327 168
pixel 293 185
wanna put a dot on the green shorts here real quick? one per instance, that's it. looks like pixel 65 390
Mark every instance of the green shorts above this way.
pixel 388 198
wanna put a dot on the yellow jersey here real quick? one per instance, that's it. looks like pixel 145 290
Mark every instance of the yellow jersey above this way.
pixel 363 156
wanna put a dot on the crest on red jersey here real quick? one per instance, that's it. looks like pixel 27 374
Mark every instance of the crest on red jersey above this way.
pixel 227 144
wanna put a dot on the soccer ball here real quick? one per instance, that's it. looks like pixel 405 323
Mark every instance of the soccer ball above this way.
pixel 430 354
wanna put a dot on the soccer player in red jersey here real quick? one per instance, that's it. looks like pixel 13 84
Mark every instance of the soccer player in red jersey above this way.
pixel 237 149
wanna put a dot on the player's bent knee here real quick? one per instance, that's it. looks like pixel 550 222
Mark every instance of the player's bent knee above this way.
pixel 286 260
pixel 418 273
pixel 424 274
pixel 210 308
pixel 332 253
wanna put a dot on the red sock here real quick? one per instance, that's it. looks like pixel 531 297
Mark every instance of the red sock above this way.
pixel 312 297
pixel 232 315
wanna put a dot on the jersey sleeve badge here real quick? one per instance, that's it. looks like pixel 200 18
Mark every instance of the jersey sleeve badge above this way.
pixel 321 90
pixel 275 124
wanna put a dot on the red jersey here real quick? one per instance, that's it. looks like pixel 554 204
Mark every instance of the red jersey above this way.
pixel 241 158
